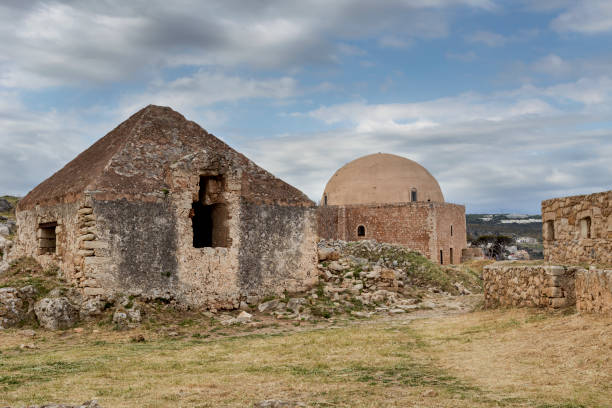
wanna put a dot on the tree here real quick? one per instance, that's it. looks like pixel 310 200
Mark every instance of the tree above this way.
pixel 493 246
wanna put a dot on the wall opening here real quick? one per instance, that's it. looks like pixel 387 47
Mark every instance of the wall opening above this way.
pixel 413 195
pixel 47 239
pixel 451 256
pixel 441 257
pixel 549 230
pixel 361 231
pixel 325 200
pixel 585 227
pixel 209 217
pixel 451 230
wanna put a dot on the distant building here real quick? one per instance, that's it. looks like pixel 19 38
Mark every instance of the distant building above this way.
pixel 396 200
pixel 526 240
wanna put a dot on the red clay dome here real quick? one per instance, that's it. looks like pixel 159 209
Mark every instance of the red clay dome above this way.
pixel 381 178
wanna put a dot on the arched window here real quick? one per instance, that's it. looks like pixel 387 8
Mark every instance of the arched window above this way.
pixel 585 227
pixel 361 231
pixel 413 194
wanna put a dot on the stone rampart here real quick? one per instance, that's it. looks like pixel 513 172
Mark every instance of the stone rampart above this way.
pixel 594 291
pixel 546 286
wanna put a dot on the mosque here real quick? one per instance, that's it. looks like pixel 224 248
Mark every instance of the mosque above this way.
pixel 396 200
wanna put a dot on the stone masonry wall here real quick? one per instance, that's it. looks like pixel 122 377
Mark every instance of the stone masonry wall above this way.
pixel 578 229
pixel 422 226
pixel 594 291
pixel 544 286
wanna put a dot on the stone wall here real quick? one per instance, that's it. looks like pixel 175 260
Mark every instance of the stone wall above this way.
pixel 578 229
pixel 422 226
pixel 547 286
pixel 472 253
pixel 594 291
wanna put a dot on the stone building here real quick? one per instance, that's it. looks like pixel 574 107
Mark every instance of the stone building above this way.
pixel 578 229
pixel 392 199
pixel 162 209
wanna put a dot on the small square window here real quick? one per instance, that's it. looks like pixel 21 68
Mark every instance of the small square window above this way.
pixel 47 238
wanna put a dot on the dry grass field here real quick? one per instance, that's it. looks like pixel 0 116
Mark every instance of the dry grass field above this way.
pixel 514 358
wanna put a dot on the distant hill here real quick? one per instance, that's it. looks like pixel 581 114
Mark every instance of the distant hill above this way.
pixel 512 225
pixel 13 202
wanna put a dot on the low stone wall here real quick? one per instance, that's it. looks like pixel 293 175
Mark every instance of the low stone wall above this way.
pixel 546 286
pixel 594 291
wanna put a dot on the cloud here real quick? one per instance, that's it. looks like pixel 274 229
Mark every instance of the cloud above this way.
pixel 389 41
pixel 487 38
pixel 35 144
pixel 497 40
pixel 56 43
pixel 586 17
pixel 465 57
pixel 189 93
pixel 503 151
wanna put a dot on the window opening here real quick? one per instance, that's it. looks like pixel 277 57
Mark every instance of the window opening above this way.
pixel 47 239
pixel 549 230
pixel 451 230
pixel 451 256
pixel 441 257
pixel 325 199
pixel 209 216
pixel 585 227
pixel 413 195
pixel 361 231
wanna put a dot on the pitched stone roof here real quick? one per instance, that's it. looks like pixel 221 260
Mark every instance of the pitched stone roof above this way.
pixel 134 158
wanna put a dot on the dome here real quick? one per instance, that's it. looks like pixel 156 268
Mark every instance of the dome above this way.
pixel 381 178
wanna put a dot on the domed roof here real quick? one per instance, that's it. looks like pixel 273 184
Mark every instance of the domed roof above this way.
pixel 381 178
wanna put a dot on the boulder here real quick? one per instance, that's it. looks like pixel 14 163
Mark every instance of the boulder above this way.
pixel 90 308
pixel 16 305
pixel 5 206
pixel 56 313
pixel 328 254
pixel 268 306
pixel 244 317
pixel 295 304
pixel 12 308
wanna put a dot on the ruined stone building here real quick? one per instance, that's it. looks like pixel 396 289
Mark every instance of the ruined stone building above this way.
pixel 578 229
pixel 396 200
pixel 161 208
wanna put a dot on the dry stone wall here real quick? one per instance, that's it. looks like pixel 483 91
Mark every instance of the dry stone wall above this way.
pixel 578 229
pixel 594 291
pixel 545 286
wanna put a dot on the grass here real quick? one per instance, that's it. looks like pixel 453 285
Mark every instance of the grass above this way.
pixel 26 271
pixel 420 270
pixel 506 358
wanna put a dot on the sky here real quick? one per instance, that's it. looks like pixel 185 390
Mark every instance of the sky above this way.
pixel 506 103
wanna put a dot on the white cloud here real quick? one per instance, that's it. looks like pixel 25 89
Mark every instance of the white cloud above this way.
pixel 585 16
pixel 500 151
pixel 35 144
pixel 497 40
pixel 55 43
pixel 389 41
pixel 203 88
pixel 487 38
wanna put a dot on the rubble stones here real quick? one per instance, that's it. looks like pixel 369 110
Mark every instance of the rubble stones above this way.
pixel 56 313
pixel 15 305
pixel 5 205
pixel 268 306
pixel 328 254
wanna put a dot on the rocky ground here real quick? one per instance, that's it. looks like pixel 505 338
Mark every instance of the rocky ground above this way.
pixel 357 280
